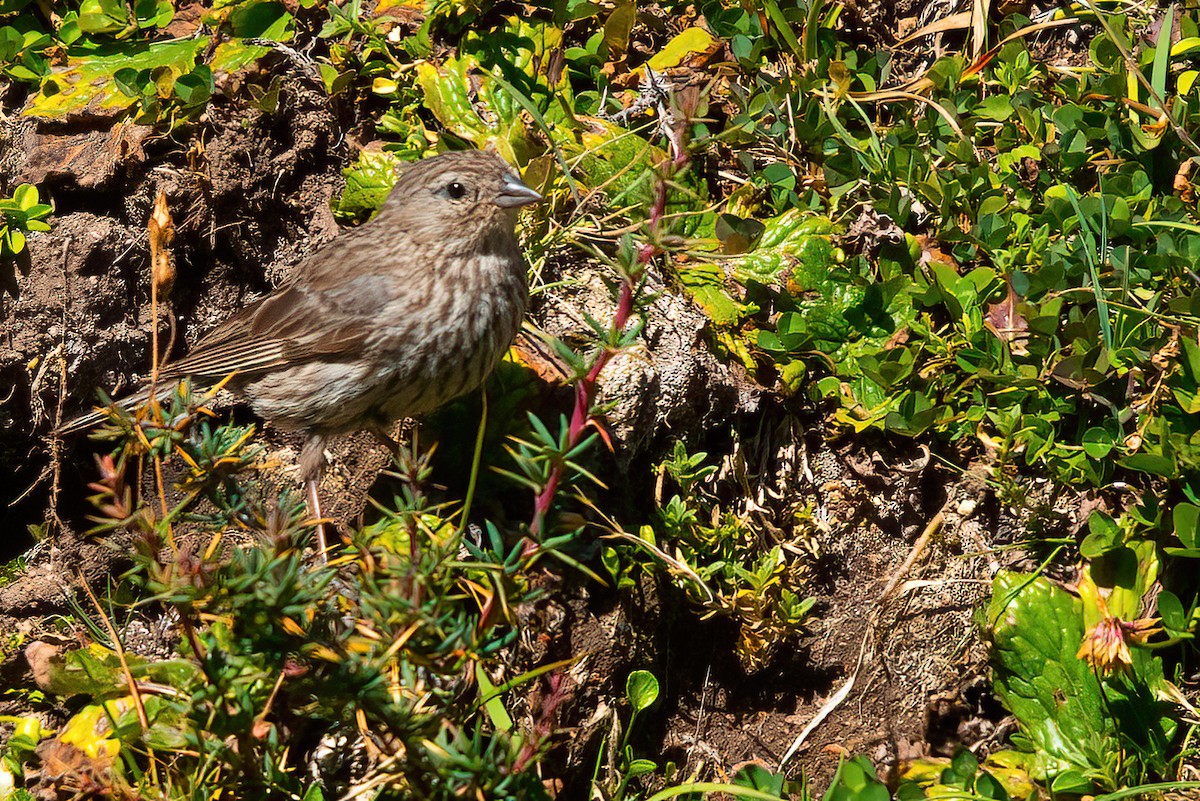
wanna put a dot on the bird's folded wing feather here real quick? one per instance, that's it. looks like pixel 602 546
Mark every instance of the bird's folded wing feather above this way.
pixel 319 314
pixel 296 324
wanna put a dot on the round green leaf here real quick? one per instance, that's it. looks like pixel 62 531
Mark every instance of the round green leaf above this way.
pixel 642 689
pixel 129 81
pixel 1097 443
pixel 1186 517
pixel 1170 609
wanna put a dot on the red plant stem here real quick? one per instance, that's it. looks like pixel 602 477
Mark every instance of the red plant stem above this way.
pixel 543 727
pixel 586 387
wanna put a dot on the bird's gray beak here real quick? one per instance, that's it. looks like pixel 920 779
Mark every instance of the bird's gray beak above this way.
pixel 514 194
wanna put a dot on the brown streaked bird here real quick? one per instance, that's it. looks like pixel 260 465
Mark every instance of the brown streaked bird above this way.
pixel 387 321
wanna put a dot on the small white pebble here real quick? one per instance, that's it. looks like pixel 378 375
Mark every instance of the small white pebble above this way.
pixel 966 507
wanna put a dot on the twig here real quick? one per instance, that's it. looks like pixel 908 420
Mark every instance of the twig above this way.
pixel 55 441
pixel 134 692
pixel 653 93
pixel 671 561
pixel 303 62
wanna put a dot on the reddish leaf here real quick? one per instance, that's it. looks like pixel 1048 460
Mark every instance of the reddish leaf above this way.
pixel 1005 321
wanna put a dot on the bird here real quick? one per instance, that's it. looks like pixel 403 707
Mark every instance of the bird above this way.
pixel 387 321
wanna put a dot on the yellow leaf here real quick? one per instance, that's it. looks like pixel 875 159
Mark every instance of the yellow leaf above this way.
pixel 384 86
pixel 384 5
pixel 692 40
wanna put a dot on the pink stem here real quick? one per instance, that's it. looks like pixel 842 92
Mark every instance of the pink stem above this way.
pixel 585 388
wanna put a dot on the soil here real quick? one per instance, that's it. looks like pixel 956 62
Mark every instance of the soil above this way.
pixel 250 195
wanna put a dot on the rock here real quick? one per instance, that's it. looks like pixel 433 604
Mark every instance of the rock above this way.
pixel 87 159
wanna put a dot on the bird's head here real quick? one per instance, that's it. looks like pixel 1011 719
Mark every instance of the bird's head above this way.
pixel 464 194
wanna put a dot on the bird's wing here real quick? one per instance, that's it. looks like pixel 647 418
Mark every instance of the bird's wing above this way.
pixel 312 317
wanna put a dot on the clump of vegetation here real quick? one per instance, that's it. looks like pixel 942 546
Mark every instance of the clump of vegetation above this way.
pixel 20 214
pixel 276 648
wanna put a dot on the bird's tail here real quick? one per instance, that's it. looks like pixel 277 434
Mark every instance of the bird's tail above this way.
pixel 129 403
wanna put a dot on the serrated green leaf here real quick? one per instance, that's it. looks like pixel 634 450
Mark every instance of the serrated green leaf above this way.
pixel 1065 710
pixel 368 182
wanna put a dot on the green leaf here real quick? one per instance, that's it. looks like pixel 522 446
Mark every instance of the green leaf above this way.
pixel 987 786
pixel 779 175
pixel 11 43
pixel 131 81
pixel 102 16
pixel 494 706
pixel 855 780
pixel 705 284
pixel 738 235
pixel 1186 517
pixel 26 196
pixel 996 107
pixel 257 20
pixel 1065 713
pixel 617 29
pixel 89 81
pixel 1162 57
pixel 1152 463
pixel 641 688
pixel 367 184
pixel 449 94
pixel 1105 536
pixel 640 767
pixel 1036 631
pixel 1171 610
pixel 1098 442
pixel 196 87
pixel 758 777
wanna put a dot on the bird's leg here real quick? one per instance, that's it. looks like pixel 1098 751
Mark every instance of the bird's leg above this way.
pixel 312 465
pixel 314 508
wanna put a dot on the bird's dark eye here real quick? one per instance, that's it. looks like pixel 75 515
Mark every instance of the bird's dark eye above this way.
pixel 456 190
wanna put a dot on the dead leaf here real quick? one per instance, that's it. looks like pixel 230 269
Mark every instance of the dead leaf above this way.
pixel 187 21
pixel 161 229
pixel 68 772
pixel 870 231
pixel 897 339
pixel 1028 172
pixel 931 252
pixel 1005 321
pixel 90 159
pixel 43 662
pixel 538 357
pixel 1182 183
pixel 1168 353
pixel 1006 7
